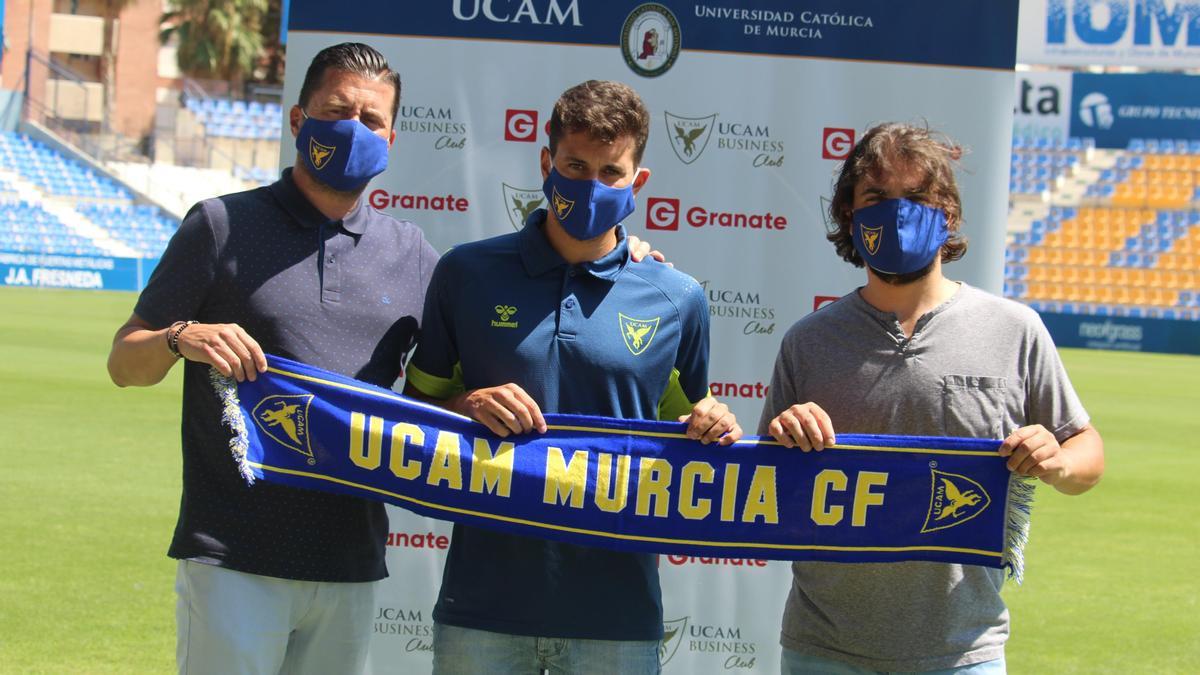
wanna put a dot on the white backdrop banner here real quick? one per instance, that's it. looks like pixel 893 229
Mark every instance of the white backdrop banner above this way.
pixel 753 105
pixel 1159 34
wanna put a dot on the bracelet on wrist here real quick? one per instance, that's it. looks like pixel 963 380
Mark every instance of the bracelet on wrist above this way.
pixel 173 334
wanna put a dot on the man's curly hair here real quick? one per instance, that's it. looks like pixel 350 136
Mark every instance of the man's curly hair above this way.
pixel 886 148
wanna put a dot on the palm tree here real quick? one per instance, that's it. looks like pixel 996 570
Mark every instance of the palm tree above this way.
pixel 220 39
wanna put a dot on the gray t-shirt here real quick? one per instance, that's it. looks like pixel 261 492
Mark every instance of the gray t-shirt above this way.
pixel 977 366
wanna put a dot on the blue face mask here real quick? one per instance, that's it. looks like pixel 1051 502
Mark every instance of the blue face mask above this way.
pixel 898 236
pixel 586 209
pixel 343 154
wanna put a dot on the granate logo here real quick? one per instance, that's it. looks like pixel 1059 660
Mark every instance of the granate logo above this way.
pixel 836 143
pixel 520 125
pixel 662 213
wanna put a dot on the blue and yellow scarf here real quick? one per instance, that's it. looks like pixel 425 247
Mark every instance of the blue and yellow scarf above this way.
pixel 633 485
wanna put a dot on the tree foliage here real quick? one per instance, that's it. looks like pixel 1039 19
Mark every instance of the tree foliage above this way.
pixel 218 39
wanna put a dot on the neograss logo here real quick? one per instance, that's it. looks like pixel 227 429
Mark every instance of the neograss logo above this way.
pixel 836 143
pixel 520 125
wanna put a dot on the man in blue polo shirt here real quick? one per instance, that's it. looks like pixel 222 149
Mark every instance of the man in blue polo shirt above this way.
pixel 554 318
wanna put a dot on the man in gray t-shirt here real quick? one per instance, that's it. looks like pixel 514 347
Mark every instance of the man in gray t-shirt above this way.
pixel 913 352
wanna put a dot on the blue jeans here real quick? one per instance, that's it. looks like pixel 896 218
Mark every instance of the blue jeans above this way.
pixel 465 651
pixel 795 663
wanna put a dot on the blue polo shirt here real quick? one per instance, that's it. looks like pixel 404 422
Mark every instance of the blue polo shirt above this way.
pixel 601 338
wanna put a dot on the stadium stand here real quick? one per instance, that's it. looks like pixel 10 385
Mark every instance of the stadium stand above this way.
pixel 1108 233
pixel 54 204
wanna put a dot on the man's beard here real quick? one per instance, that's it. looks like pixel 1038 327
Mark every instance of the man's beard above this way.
pixel 906 278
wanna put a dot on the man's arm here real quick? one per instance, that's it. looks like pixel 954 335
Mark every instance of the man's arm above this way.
pixel 1072 467
pixel 140 356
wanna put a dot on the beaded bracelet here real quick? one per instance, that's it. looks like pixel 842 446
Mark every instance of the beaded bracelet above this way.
pixel 173 333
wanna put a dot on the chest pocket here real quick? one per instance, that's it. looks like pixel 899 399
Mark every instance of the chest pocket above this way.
pixel 974 406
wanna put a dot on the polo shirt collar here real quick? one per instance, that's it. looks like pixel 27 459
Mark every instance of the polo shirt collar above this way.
pixel 539 257
pixel 306 215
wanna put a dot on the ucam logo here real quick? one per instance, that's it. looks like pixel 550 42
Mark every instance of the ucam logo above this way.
pixel 547 12
pixel 520 125
pixel 1107 22
pixel 663 213
pixel 836 143
pixel 1096 111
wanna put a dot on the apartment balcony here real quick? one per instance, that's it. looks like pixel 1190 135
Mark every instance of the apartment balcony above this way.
pixel 76 34
pixel 70 100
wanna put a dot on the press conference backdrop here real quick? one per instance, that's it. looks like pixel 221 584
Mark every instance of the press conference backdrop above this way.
pixel 752 109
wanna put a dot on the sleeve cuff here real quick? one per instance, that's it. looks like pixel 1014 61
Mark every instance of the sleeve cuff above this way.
pixel 433 386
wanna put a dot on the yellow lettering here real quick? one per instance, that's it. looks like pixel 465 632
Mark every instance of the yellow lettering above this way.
pixel 822 513
pixel 607 498
pixel 446 464
pixel 370 459
pixel 863 497
pixel 690 507
pixel 729 492
pixel 492 471
pixel 402 434
pixel 565 482
pixel 654 477
pixel 762 500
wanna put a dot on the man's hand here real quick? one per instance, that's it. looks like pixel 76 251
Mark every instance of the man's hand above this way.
pixel 1034 451
pixel 505 410
pixel 224 346
pixel 804 425
pixel 639 249
pixel 711 421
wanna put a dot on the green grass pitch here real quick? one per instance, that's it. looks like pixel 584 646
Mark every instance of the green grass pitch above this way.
pixel 89 489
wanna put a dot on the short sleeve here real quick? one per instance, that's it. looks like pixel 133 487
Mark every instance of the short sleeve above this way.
pixel 180 283
pixel 692 359
pixel 435 368
pixel 781 394
pixel 1050 399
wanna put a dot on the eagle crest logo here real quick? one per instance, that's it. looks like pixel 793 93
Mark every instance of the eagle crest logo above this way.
pixel 871 237
pixel 689 135
pixel 638 333
pixel 320 154
pixel 562 205
pixel 672 636
pixel 520 203
pixel 953 499
pixel 285 419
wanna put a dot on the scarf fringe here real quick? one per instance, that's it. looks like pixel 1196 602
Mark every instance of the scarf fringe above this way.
pixel 231 416
pixel 1020 505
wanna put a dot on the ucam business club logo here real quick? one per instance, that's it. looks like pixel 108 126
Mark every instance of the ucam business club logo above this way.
pixel 719 646
pixel 436 122
pixel 520 203
pixel 650 39
pixel 665 213
pixel 744 307
pixel 413 626
pixel 836 143
pixel 689 136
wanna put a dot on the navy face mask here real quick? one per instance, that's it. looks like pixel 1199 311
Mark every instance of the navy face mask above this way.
pixel 586 209
pixel 898 236
pixel 343 154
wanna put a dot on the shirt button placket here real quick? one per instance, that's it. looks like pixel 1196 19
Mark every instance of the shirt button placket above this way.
pixel 568 307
